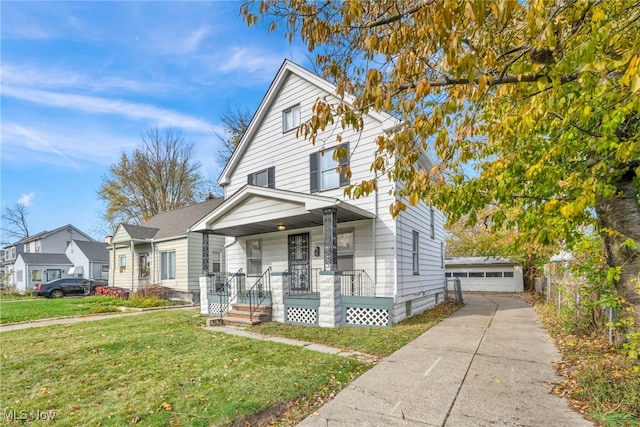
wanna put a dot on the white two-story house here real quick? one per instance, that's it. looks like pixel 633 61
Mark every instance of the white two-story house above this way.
pixel 40 257
pixel 295 242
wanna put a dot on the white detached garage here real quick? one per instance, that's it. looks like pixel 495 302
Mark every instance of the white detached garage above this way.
pixel 487 274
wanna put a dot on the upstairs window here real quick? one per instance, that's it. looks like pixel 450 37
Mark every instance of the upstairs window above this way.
pixel 291 118
pixel 323 169
pixel 263 178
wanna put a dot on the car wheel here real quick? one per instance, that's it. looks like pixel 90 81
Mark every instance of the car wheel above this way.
pixel 57 293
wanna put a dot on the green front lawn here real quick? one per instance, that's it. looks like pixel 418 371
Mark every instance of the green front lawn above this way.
pixel 43 308
pixel 376 341
pixel 160 368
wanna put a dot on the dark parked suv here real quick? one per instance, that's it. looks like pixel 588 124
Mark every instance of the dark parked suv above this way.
pixel 68 286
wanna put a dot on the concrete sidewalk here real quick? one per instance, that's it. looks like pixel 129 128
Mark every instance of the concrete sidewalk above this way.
pixel 488 364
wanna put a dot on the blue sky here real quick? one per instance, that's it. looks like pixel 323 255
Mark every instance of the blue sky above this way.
pixel 80 82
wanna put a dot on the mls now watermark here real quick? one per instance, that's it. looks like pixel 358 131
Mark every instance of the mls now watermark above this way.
pixel 28 415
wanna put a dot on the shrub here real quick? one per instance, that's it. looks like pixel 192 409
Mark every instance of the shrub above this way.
pixel 148 302
pixel 152 291
pixel 112 291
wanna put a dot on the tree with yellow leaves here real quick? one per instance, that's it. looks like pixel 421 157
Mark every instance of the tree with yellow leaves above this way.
pixel 541 97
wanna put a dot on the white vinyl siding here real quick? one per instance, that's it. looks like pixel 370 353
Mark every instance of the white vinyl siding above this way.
pixel 274 250
pixel 290 155
pixel 431 276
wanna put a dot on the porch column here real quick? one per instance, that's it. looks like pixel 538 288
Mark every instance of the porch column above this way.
pixel 277 296
pixel 330 310
pixel 205 285
pixel 330 233
pixel 205 253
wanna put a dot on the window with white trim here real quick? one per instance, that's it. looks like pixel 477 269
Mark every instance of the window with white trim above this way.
pixel 415 252
pixel 263 178
pixel 36 275
pixel 254 257
pixel 291 118
pixel 326 171
pixel 122 263
pixel 168 265
pixel 216 263
pixel 432 217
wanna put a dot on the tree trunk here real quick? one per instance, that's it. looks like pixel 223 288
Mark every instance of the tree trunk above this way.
pixel 619 219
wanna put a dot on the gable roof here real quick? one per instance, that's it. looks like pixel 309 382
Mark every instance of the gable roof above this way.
pixel 173 223
pixel 138 232
pixel 295 209
pixel 46 233
pixel 288 68
pixel 177 222
pixel 94 251
pixel 44 259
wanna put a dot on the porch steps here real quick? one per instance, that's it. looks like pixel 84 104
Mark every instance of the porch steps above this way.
pixel 239 315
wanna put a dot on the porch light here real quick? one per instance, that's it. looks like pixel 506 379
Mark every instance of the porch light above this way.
pixel 281 227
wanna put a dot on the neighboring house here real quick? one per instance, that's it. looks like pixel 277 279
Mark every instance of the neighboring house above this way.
pixel 53 242
pixel 488 274
pixel 327 259
pixel 33 268
pixel 162 251
pixel 90 259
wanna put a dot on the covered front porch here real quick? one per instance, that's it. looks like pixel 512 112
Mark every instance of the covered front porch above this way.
pixel 309 257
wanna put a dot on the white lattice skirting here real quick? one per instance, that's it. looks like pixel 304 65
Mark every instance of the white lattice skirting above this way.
pixel 367 316
pixel 217 308
pixel 302 315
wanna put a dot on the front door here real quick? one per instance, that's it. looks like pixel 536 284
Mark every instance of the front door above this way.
pixel 299 261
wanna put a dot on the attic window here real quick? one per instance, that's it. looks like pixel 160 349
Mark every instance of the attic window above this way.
pixel 291 118
pixel 264 178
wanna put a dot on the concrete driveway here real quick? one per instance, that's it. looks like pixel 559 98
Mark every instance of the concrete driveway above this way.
pixel 490 364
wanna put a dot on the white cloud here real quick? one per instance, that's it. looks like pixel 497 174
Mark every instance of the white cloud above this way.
pixel 98 105
pixel 25 76
pixel 249 60
pixel 26 200
pixel 192 42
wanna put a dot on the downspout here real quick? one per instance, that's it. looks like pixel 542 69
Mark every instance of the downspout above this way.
pixel 373 228
pixel 133 264
pixel 153 261
pixel 113 248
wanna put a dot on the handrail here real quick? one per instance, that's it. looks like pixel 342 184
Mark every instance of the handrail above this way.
pixel 357 283
pixel 261 295
pixel 311 287
pixel 228 286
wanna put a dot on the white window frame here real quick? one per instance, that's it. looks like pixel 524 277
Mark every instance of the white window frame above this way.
pixel 291 118
pixel 329 170
pixel 122 263
pixel 254 262
pixel 415 252
pixel 168 265
pixel 216 262
pixel 432 216
pixel 263 173
pixel 36 275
